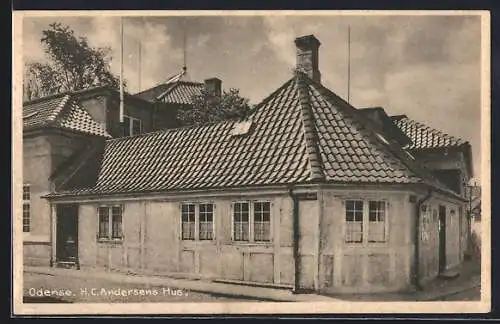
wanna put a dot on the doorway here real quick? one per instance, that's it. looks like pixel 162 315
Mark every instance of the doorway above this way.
pixel 67 234
pixel 307 263
pixel 442 238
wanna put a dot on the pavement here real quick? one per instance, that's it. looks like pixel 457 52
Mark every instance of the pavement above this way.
pixel 193 286
pixel 468 280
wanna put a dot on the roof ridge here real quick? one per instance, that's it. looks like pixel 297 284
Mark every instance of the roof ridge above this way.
pixel 309 128
pixel 266 100
pixel 436 131
pixel 171 130
pixel 49 97
pixel 57 111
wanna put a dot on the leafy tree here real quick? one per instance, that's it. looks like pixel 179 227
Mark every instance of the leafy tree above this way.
pixel 73 65
pixel 208 108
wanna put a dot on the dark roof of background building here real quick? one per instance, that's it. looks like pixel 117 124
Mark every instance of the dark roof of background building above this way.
pixel 60 111
pixel 301 133
pixel 180 92
pixel 384 123
pixel 423 136
pixel 89 92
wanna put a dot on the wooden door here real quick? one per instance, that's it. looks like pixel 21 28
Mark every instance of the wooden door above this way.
pixel 67 233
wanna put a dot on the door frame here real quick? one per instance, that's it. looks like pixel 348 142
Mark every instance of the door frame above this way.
pixel 68 213
pixel 442 239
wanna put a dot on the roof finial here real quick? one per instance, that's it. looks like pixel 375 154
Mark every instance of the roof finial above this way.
pixel 184 67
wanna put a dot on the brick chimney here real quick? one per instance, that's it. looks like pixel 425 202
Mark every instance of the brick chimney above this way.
pixel 307 56
pixel 214 86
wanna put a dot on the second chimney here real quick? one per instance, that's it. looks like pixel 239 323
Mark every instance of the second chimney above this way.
pixel 214 86
pixel 308 56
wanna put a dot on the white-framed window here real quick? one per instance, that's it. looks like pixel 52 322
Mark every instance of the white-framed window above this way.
pixel 251 221
pixel 132 126
pixel 26 208
pixel 354 221
pixel 110 222
pixel 366 221
pixel 197 221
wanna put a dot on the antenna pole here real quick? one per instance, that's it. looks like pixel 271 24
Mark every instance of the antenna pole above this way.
pixel 121 76
pixel 184 67
pixel 140 66
pixel 348 63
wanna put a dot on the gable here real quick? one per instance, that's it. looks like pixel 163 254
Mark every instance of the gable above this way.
pixel 62 112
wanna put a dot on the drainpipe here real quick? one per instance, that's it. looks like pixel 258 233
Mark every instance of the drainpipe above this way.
pixel 295 219
pixel 416 277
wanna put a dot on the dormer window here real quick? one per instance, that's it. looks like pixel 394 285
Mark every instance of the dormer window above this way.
pixel 132 126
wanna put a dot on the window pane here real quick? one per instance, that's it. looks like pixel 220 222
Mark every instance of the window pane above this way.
pixel 354 221
pixel 354 211
pixel 136 126
pixel 116 222
pixel 26 217
pixel 241 221
pixel 188 219
pixel 188 230
pixel 126 126
pixel 354 232
pixel 206 222
pixel 103 222
pixel 376 229
pixel 26 192
pixel 206 230
pixel 241 231
pixel 262 231
pixel 262 221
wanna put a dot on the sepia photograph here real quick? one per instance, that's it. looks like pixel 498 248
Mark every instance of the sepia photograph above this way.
pixel 228 162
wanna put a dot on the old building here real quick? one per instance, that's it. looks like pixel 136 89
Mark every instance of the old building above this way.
pixel 63 134
pixel 307 192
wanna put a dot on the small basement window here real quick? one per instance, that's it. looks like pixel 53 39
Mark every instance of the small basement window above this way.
pixel 241 128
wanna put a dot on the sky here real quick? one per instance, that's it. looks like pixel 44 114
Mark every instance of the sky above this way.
pixel 427 67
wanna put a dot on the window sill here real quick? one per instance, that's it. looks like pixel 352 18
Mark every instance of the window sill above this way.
pixel 366 245
pixel 110 241
pixel 245 243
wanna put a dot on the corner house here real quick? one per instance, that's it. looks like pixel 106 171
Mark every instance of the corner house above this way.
pixel 307 192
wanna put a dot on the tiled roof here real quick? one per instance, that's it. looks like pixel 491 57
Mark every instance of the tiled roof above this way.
pixel 423 136
pixel 301 133
pixel 179 92
pixel 60 111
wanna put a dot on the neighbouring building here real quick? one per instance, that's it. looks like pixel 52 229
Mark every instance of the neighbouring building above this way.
pixel 62 134
pixel 308 192
pixel 175 93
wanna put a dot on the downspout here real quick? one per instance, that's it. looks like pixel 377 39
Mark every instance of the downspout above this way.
pixel 295 240
pixel 416 276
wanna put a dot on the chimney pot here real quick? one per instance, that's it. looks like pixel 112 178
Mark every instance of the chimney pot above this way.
pixel 308 56
pixel 214 86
